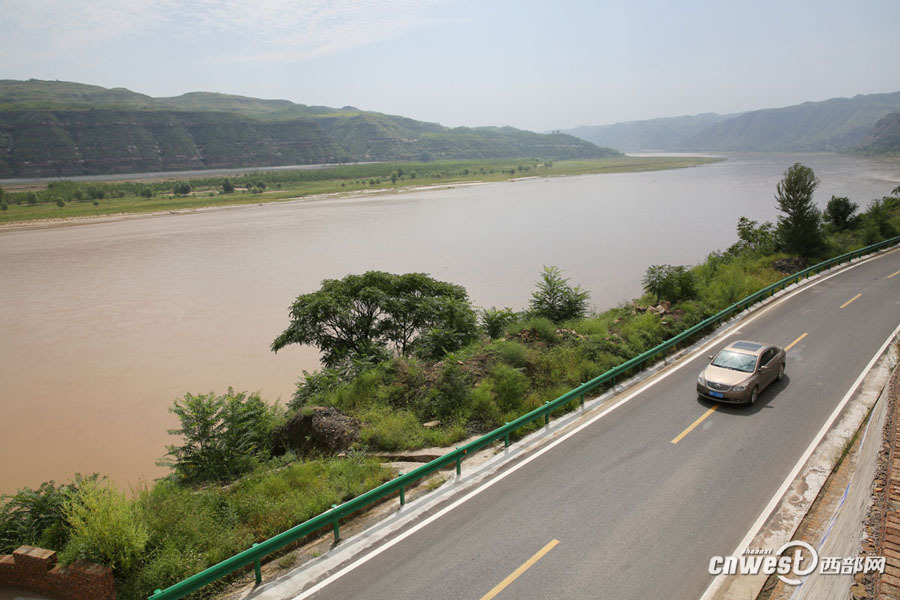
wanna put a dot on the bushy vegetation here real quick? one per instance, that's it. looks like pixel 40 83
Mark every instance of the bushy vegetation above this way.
pixel 223 436
pixel 169 531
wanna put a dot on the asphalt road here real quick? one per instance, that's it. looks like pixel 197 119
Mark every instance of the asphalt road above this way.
pixel 618 509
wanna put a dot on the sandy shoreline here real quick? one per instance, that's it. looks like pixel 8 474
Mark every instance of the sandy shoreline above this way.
pixel 88 220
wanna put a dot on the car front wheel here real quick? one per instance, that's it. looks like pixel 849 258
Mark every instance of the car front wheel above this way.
pixel 781 372
pixel 753 395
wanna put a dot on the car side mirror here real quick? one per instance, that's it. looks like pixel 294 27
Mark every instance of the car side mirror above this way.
pixel 710 357
pixel 764 368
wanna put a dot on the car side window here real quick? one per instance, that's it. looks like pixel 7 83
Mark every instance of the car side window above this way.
pixel 768 356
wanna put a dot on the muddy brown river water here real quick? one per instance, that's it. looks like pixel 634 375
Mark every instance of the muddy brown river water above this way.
pixel 104 324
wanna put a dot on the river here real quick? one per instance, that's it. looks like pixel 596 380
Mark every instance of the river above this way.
pixel 104 324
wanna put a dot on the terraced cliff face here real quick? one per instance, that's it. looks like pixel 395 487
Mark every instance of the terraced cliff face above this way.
pixel 61 129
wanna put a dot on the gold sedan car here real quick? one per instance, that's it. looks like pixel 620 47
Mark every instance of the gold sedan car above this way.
pixel 740 371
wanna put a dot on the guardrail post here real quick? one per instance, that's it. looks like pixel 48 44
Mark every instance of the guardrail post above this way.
pixel 582 400
pixel 547 415
pixel 402 491
pixel 257 569
pixel 506 437
pixel 337 527
pixel 458 464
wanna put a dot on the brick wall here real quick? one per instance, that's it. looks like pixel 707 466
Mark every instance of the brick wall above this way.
pixel 35 569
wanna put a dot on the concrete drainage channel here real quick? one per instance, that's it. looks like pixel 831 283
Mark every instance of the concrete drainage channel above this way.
pixel 387 523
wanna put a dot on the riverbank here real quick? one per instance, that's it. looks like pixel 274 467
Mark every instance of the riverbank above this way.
pixel 71 203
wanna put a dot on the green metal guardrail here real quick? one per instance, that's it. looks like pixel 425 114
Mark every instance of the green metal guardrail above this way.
pixel 332 517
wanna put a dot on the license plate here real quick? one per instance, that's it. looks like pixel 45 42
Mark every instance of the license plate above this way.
pixel 717 394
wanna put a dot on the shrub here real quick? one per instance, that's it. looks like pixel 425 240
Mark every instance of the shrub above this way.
pixel 146 192
pixel 483 409
pixel 555 299
pixel 544 328
pixel 181 188
pixel 877 219
pixel 4 206
pixel 450 394
pixel 224 436
pixel 512 353
pixel 35 517
pixel 104 527
pixel 754 238
pixel 494 320
pixel 669 283
pixel 509 386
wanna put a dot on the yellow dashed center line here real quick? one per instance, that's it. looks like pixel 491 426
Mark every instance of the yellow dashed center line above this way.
pixel 892 274
pixel 515 574
pixel 850 300
pixel 794 343
pixel 694 424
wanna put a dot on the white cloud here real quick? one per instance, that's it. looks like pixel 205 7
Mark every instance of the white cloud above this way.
pixel 36 30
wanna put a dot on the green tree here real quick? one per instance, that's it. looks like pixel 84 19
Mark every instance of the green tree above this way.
pixel 667 282
pixel 96 192
pixel 227 186
pixel 365 315
pixel 555 299
pixel 840 212
pixel 31 198
pixel 181 188
pixel 799 230
pixel 224 436
pixel 754 238
pixel 60 202
pixel 147 191
pixel 4 205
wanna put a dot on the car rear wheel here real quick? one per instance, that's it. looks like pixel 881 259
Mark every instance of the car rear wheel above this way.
pixel 754 395
pixel 781 372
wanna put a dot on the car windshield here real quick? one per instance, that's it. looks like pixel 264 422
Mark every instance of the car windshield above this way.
pixel 735 360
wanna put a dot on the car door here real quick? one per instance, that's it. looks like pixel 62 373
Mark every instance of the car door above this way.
pixel 771 371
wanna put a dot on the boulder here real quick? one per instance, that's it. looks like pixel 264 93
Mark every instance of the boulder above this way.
pixel 317 429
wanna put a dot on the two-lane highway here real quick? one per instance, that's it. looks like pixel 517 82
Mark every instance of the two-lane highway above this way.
pixel 634 504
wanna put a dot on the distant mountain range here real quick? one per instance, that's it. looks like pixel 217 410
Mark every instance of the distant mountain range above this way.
pixel 54 128
pixel 839 124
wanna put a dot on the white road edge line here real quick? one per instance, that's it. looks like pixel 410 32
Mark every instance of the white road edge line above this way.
pixel 364 559
pixel 776 499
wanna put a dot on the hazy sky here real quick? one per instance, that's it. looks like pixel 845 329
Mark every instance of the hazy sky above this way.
pixel 535 65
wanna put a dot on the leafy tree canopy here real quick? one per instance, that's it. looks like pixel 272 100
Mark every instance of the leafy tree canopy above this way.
pixel 368 315
pixel 754 238
pixel 840 212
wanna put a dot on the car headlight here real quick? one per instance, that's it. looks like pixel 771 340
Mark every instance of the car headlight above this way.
pixel 700 379
pixel 739 388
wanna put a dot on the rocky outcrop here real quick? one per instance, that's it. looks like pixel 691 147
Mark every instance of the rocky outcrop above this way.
pixel 317 429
